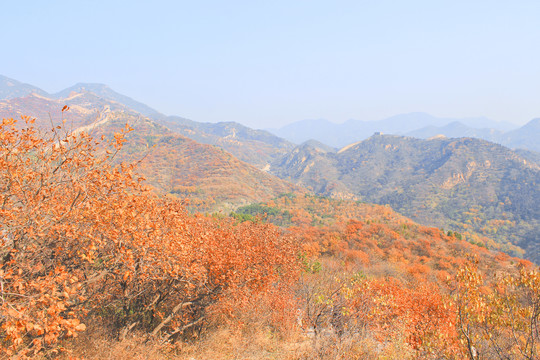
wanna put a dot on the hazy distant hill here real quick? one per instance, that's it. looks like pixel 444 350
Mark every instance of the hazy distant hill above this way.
pixel 321 130
pixel 85 109
pixel 256 147
pixel 314 168
pixel 10 88
pixel 340 135
pixel 457 129
pixel 319 146
pixel 526 137
pixel 465 184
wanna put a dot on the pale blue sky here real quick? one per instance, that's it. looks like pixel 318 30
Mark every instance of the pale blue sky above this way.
pixel 268 63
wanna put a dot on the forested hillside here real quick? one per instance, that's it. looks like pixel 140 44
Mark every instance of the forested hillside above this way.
pixel 208 176
pixel 460 184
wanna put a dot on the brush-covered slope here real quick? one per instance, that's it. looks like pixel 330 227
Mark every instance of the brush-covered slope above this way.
pixel 529 155
pixel 208 175
pixel 371 235
pixel 464 184
pixel 315 168
pixel 526 137
pixel 340 279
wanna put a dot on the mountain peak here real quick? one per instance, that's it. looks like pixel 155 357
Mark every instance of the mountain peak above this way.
pixel 317 145
pixel 10 89
pixel 91 86
pixel 105 92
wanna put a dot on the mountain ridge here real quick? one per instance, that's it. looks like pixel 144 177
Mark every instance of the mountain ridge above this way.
pixel 173 164
pixel 106 92
pixel 257 147
pixel 11 88
pixel 416 124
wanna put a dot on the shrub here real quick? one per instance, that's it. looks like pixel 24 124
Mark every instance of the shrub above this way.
pixel 82 237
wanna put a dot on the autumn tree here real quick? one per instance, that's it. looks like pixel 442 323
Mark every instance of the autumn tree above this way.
pixel 498 319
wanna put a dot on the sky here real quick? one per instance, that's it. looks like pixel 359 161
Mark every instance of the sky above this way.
pixel 269 63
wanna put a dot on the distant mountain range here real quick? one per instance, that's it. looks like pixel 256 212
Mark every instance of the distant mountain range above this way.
pixel 462 184
pixel 172 163
pixel 526 137
pixel 10 89
pixel 257 147
pixel 418 125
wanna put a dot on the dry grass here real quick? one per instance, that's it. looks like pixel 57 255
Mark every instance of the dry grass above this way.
pixel 234 344
pixel 219 344
pixel 97 344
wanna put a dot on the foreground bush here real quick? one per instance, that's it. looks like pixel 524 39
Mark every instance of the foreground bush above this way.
pixel 82 238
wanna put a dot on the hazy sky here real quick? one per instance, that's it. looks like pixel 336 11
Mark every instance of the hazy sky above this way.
pixel 268 63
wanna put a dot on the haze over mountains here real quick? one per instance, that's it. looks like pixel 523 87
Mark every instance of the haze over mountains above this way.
pixel 420 125
pixel 466 184
pixel 171 162
pixel 257 147
pixel 10 89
